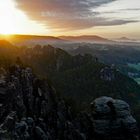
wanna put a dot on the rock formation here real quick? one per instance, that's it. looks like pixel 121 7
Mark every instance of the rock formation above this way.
pixel 31 110
pixel 113 119
pixel 107 74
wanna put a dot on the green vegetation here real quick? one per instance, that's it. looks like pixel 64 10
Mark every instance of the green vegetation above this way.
pixel 137 80
pixel 136 66
pixel 77 78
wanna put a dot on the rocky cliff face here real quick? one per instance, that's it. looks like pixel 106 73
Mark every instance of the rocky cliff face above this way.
pixel 31 110
pixel 113 119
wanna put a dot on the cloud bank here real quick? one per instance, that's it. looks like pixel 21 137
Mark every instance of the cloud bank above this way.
pixel 68 14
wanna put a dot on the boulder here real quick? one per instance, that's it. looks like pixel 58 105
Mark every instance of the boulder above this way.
pixel 113 119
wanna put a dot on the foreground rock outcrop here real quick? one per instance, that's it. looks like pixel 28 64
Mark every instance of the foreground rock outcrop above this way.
pixel 31 110
pixel 113 119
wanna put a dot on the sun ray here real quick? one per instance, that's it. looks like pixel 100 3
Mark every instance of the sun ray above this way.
pixel 14 21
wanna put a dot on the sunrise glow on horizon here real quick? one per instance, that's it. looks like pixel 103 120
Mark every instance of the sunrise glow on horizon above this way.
pixel 108 18
pixel 14 21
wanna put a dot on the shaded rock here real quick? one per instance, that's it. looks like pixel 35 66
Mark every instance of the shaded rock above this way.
pixel 113 119
pixel 31 110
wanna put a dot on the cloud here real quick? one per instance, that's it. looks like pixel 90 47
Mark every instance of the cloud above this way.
pixel 68 14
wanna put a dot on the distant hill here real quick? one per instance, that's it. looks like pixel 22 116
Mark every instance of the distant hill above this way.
pixel 32 40
pixel 87 39
pixel 6 48
pixel 7 53
pixel 5 43
pixel 125 39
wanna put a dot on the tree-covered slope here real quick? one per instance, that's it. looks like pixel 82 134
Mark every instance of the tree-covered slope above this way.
pixel 80 78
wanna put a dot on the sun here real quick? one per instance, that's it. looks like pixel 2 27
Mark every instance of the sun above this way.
pixel 7 12
pixel 14 21
pixel 6 26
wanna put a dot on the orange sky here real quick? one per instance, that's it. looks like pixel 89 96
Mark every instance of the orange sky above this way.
pixel 108 18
